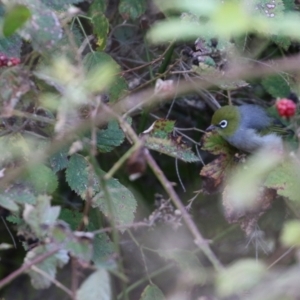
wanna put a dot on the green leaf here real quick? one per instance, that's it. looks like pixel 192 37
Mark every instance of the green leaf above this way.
pixel 72 217
pixel 289 4
pixel 152 292
pixel 15 18
pixel 95 287
pixel 42 178
pixel 285 179
pixel 118 90
pixel 41 214
pixel 8 203
pixel 282 41
pixel 59 160
pixel 99 59
pixel 11 46
pixel 18 193
pixel 276 86
pixel 121 201
pixel 103 248
pixel 132 9
pixel 247 273
pixel 78 244
pixel 14 219
pixel 44 28
pixel 100 23
pixel 103 251
pixel 49 265
pixel 108 139
pixel 160 137
pixel 98 5
pixel 95 60
pixel 290 236
pixel 80 177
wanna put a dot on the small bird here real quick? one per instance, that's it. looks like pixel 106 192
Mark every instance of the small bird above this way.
pixel 248 128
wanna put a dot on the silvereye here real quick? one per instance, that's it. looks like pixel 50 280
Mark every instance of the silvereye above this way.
pixel 247 127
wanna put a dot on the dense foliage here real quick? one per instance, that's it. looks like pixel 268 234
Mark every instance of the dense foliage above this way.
pixel 93 92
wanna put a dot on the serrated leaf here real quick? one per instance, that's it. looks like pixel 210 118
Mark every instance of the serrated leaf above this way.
pixel 42 178
pixel 276 86
pixel 19 193
pixel 100 26
pixel 132 9
pixel 100 22
pixel 15 18
pixel 103 248
pixel 72 217
pixel 108 139
pixel 80 177
pixel 285 180
pixel 103 251
pixel 160 137
pixel 122 202
pixel 14 219
pixel 95 287
pixel 59 160
pixel 41 214
pixel 59 4
pixel 152 292
pixel 98 5
pixel 43 29
pixel 49 265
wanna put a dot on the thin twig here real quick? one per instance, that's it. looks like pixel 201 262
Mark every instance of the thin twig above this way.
pixel 122 160
pixel 199 240
pixel 22 269
pixel 53 280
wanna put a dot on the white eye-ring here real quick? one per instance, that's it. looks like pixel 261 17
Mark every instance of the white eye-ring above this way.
pixel 223 124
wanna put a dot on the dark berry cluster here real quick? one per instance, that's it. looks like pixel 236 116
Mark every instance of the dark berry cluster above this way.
pixel 286 107
pixel 8 61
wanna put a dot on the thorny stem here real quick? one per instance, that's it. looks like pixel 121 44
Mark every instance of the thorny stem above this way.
pixel 199 240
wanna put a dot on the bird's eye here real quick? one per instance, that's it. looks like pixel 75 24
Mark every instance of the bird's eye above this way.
pixel 223 124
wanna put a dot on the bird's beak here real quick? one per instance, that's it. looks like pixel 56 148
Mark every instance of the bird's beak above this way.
pixel 210 128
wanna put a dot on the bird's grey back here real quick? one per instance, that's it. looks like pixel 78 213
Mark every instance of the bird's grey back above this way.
pixel 253 116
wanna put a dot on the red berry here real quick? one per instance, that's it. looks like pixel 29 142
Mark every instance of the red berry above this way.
pixel 286 107
pixel 8 61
